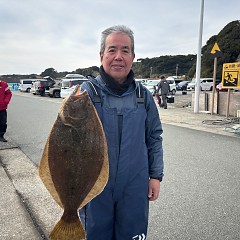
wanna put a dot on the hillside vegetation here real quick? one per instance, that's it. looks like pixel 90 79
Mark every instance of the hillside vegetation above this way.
pixel 228 41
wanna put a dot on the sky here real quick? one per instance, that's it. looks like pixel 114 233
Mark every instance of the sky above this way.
pixel 65 34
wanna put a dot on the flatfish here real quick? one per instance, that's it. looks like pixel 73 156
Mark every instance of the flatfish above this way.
pixel 74 165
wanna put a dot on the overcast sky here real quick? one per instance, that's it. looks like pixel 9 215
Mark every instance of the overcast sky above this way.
pixel 65 34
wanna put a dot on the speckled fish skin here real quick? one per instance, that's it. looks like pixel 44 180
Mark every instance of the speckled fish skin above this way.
pixel 74 165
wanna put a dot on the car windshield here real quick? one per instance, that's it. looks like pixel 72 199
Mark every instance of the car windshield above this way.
pixel 193 81
pixel 182 83
pixel 170 81
pixel 151 83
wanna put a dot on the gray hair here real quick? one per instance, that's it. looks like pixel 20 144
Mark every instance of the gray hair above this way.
pixel 116 29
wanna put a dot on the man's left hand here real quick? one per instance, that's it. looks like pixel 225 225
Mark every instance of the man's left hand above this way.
pixel 153 189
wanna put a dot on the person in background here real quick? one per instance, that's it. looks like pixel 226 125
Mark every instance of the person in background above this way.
pixel 165 89
pixel 133 132
pixel 5 97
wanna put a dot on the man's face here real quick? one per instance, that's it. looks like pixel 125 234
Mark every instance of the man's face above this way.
pixel 117 58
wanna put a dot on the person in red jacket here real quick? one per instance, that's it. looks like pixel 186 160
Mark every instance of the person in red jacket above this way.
pixel 5 97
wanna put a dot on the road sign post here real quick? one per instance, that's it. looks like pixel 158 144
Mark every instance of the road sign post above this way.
pixel 228 103
pixel 214 82
pixel 216 53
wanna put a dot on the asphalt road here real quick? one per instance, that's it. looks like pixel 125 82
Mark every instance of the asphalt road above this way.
pixel 200 195
pixel 30 119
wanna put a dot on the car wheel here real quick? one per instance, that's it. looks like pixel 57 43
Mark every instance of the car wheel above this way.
pixel 56 94
pixel 28 90
pixel 173 92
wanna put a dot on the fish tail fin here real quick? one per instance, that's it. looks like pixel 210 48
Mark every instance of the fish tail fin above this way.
pixel 65 230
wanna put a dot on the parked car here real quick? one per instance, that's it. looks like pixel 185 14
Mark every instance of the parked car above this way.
pixel 219 87
pixel 25 85
pixel 73 76
pixel 54 91
pixel 172 84
pixel 68 84
pixel 191 85
pixel 206 84
pixel 150 85
pixel 41 86
pixel 141 80
pixel 181 86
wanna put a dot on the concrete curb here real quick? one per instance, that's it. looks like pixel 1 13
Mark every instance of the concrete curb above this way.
pixel 28 205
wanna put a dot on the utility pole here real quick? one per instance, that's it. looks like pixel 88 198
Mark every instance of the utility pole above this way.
pixel 198 66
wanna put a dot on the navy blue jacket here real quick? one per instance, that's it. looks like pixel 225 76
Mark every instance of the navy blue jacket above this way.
pixel 136 135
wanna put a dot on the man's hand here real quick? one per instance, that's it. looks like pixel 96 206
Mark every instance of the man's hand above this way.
pixel 153 189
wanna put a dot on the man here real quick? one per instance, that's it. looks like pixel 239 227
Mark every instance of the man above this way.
pixel 5 97
pixel 165 89
pixel 133 132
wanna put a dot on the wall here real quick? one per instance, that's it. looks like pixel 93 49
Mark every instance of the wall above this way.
pixel 220 102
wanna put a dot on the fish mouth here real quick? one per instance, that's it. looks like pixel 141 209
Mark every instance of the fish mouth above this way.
pixel 70 104
pixel 76 94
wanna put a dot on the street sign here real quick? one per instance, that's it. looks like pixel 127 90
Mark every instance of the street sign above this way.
pixel 216 52
pixel 231 75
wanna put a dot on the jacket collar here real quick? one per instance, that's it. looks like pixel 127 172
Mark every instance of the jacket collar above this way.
pixel 113 85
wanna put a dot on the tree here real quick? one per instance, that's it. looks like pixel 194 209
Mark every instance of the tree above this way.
pixel 51 72
pixel 88 71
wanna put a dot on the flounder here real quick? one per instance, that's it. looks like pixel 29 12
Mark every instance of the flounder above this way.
pixel 74 165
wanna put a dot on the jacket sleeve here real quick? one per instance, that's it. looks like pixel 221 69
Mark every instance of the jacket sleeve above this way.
pixel 158 87
pixel 8 95
pixel 154 139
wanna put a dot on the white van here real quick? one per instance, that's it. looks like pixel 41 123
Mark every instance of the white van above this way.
pixel 25 85
pixel 70 82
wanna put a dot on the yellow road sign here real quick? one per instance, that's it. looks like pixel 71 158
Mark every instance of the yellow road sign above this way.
pixel 215 48
pixel 231 75
pixel 216 52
